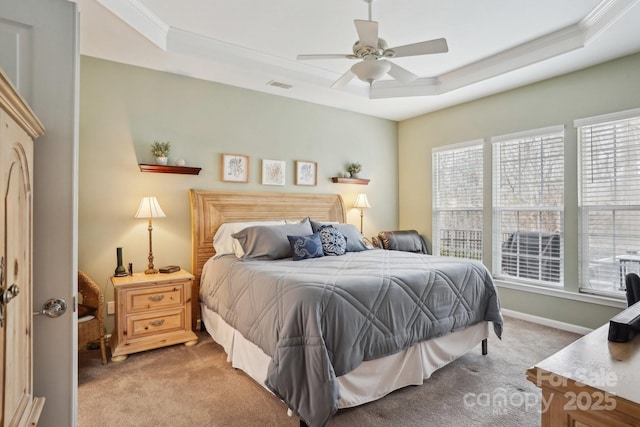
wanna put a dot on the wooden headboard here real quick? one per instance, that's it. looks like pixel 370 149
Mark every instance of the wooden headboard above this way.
pixel 209 209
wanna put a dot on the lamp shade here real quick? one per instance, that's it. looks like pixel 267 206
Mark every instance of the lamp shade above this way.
pixel 370 70
pixel 361 201
pixel 149 208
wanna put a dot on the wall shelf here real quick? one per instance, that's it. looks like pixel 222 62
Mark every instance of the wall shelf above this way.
pixel 341 180
pixel 185 170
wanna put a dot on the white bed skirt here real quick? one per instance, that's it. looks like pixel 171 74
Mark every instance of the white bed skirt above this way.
pixel 372 379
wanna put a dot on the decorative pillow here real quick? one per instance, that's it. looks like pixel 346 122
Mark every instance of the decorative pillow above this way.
pixel 333 241
pixel 355 242
pixel 270 242
pixel 86 310
pixel 223 243
pixel 304 247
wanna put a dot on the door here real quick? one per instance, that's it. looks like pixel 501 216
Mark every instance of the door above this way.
pixel 39 53
pixel 19 407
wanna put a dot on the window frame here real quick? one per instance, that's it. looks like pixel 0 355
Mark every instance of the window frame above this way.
pixel 465 251
pixel 543 262
pixel 585 209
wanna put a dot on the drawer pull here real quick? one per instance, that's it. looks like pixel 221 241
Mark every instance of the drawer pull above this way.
pixel 158 322
pixel 156 298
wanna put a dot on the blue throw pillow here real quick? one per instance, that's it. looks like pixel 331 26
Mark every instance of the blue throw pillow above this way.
pixel 303 247
pixel 333 241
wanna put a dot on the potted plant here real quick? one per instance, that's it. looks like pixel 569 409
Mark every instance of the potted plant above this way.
pixel 161 150
pixel 354 169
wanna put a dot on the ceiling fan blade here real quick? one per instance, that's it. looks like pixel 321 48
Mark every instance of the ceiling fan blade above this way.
pixel 401 74
pixel 343 80
pixel 421 48
pixel 367 32
pixel 324 56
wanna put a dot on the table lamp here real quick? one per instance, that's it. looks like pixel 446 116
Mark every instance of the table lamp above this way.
pixel 361 202
pixel 149 208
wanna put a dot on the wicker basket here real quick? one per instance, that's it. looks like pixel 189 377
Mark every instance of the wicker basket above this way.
pixel 90 327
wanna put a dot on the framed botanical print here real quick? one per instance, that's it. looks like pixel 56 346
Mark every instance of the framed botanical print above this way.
pixel 235 168
pixel 306 173
pixel 273 172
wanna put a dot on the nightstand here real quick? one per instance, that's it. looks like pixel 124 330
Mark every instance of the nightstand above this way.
pixel 152 311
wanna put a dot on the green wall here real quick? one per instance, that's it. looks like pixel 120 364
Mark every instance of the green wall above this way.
pixel 123 109
pixel 610 87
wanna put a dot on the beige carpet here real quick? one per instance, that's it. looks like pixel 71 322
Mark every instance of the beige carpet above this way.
pixel 195 386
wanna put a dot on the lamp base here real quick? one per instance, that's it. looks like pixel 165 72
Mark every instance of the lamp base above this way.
pixel 151 271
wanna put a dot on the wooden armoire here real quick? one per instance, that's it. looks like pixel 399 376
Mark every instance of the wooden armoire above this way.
pixel 18 127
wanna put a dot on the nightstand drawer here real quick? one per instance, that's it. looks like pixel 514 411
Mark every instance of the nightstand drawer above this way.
pixel 140 325
pixel 158 297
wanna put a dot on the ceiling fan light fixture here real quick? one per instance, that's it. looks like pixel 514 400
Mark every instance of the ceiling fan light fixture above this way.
pixel 373 51
pixel 370 70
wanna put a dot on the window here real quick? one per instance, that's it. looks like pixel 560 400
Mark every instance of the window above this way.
pixel 609 200
pixel 528 200
pixel 457 200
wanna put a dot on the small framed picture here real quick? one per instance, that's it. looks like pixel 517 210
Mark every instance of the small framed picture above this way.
pixel 235 168
pixel 306 173
pixel 273 172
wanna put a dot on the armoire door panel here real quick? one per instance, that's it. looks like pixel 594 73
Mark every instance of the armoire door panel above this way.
pixel 18 373
pixel 18 406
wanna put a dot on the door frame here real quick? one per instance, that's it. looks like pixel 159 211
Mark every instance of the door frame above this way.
pixel 46 73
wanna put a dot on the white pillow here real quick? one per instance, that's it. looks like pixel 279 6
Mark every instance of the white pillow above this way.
pixel 224 244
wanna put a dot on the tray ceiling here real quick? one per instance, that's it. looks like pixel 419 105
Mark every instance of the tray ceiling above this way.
pixel 494 45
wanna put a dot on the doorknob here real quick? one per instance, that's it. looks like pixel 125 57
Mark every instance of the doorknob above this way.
pixel 55 307
pixel 10 293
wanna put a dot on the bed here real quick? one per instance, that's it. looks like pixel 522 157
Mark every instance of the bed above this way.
pixel 286 323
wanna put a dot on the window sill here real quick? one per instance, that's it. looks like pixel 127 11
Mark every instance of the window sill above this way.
pixel 560 293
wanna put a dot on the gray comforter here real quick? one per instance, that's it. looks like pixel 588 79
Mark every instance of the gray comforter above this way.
pixel 320 318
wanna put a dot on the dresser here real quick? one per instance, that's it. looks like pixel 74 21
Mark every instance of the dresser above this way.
pixel 590 383
pixel 152 311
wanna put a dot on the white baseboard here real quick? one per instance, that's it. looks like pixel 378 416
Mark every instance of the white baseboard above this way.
pixel 547 322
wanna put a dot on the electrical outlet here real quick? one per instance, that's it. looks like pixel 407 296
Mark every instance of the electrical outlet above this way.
pixel 111 307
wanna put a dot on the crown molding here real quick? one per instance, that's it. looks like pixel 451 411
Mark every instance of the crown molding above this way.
pixel 141 19
pixel 603 15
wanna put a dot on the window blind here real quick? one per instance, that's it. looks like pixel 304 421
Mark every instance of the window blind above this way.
pixel 609 202
pixel 457 200
pixel 528 205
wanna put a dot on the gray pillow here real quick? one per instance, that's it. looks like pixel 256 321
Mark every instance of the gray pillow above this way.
pixel 355 242
pixel 270 241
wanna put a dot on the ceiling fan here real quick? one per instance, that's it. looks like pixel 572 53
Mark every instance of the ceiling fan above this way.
pixel 373 51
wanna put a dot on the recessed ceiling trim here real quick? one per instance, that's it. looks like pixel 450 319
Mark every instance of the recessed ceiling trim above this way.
pixel 172 39
pixel 199 46
pixel 140 18
pixel 187 42
pixel 517 57
pixel 545 47
pixel 426 86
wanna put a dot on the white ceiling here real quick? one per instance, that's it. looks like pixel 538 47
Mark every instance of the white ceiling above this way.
pixel 494 45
